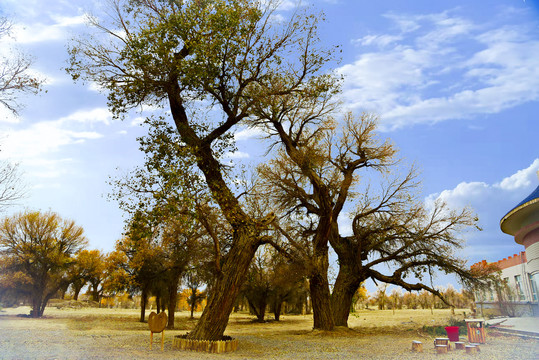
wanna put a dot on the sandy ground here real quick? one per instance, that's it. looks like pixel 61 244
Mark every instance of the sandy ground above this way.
pixel 91 333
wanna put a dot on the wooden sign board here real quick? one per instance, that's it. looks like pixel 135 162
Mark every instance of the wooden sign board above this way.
pixel 157 322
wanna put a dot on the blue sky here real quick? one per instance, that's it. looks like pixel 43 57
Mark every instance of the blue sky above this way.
pixel 456 85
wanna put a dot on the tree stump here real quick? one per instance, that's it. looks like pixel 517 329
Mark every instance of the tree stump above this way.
pixel 441 349
pixel 477 347
pixel 442 341
pixel 471 349
pixel 459 345
pixel 417 346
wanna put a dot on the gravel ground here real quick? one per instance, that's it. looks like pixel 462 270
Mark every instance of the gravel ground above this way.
pixel 115 334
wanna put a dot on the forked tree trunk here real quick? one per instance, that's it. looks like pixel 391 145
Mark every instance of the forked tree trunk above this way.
pixel 225 290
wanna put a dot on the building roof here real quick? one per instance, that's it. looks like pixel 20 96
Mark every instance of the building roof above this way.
pixel 525 213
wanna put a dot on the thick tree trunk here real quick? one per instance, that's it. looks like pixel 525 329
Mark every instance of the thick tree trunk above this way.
pixel 225 290
pixel 143 300
pixel 345 287
pixel 257 308
pixel 76 291
pixel 193 300
pixel 322 313
pixel 95 294
pixel 36 307
pixel 172 298
pixel 277 306
pixel 318 278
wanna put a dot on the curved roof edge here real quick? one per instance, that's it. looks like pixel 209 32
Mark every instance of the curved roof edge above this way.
pixel 529 200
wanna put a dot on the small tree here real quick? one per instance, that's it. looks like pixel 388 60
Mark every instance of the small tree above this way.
pixel 36 250
pixel 194 281
pixel 360 297
pixel 92 264
pixel 257 287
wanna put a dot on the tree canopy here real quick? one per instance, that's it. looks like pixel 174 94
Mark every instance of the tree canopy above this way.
pixel 36 251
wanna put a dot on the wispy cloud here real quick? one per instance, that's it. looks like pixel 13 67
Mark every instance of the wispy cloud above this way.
pixel 97 115
pixel 40 145
pixel 236 155
pixel 44 32
pixel 493 70
pixel 247 134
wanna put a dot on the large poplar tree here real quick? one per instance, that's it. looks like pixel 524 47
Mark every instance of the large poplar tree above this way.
pixel 228 55
pixel 321 172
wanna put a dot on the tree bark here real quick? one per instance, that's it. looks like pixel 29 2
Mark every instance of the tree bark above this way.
pixel 322 314
pixel 95 293
pixel 143 299
pixel 76 291
pixel 214 319
pixel 172 298
pixel 277 309
pixel 318 278
pixel 345 287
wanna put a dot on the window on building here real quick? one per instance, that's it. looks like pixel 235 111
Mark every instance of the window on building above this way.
pixel 520 289
pixel 533 284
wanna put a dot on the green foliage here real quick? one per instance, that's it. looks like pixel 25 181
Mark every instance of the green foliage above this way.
pixel 453 321
pixel 439 331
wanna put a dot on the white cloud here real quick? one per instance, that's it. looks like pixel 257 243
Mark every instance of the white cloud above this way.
pixel 97 115
pixel 378 40
pixel 7 116
pixel 461 196
pixel 137 121
pixel 39 146
pixel 40 32
pixel 474 193
pixel 490 202
pixel 482 71
pixel 41 139
pixel 236 155
pixel 522 178
pixel 247 134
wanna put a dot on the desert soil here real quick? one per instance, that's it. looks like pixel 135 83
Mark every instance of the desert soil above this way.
pixel 90 333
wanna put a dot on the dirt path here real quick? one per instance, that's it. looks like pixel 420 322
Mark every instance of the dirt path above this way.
pixel 115 334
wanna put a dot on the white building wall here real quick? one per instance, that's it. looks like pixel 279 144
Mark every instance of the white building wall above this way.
pixel 519 271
